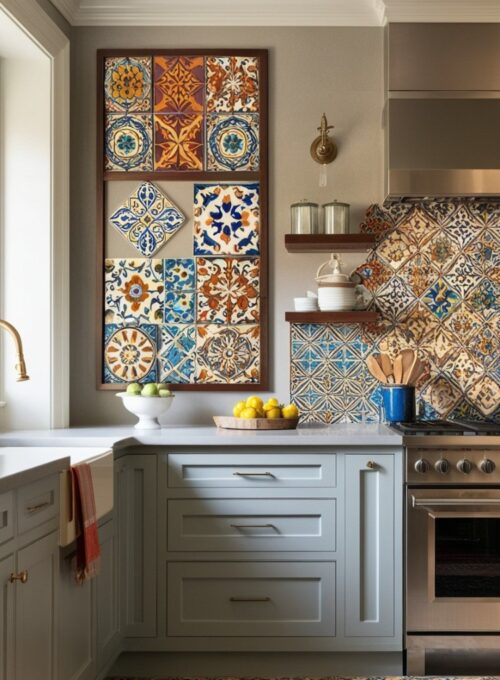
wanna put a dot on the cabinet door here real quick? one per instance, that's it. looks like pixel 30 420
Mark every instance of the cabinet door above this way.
pixel 107 609
pixel 75 627
pixel 35 607
pixel 136 485
pixel 372 565
pixel 7 566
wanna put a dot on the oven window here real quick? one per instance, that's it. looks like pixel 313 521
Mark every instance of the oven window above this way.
pixel 467 557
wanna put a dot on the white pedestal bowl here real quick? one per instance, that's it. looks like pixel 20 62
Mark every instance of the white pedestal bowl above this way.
pixel 147 409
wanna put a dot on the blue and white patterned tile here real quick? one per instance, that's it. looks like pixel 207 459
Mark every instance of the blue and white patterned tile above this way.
pixel 179 307
pixel 177 353
pixel 179 273
pixel 148 219
pixel 226 219
pixel 133 291
pixel 128 142
pixel 130 353
pixel 233 142
pixel 441 299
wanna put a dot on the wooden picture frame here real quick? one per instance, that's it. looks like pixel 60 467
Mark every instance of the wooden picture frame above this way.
pixel 261 176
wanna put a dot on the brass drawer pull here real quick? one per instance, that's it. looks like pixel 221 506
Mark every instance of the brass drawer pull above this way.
pixel 253 474
pixel 22 576
pixel 252 526
pixel 39 506
pixel 250 599
pixel 372 465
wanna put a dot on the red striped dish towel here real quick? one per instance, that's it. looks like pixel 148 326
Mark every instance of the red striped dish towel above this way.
pixel 88 549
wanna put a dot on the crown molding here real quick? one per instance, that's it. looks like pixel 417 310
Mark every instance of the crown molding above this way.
pixel 442 11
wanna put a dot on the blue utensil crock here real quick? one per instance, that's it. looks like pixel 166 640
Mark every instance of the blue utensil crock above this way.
pixel 399 403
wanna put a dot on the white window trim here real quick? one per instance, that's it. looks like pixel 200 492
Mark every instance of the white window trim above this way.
pixel 33 21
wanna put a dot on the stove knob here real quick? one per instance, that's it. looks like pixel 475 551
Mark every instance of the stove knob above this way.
pixel 464 466
pixel 422 466
pixel 442 466
pixel 487 466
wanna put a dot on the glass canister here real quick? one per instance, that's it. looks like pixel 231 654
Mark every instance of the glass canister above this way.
pixel 336 218
pixel 305 217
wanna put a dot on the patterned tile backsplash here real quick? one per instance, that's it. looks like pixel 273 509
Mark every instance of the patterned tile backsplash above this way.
pixel 435 279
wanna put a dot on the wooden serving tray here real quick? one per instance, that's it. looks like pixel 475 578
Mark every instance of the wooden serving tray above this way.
pixel 232 423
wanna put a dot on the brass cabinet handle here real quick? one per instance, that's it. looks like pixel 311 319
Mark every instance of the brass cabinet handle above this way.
pixel 253 474
pixel 39 506
pixel 252 526
pixel 22 576
pixel 372 465
pixel 249 599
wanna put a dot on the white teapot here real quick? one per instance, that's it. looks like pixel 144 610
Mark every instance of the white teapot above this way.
pixel 335 292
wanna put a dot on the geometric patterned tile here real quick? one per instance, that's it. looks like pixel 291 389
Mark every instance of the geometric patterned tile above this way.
pixel 232 84
pixel 418 273
pixel 179 307
pixel 226 219
pixel 227 290
pixel 486 395
pixel 485 298
pixel 129 142
pixel 176 354
pixel 233 141
pixel 462 275
pixel 127 83
pixel 462 226
pixel 419 226
pixel 394 298
pixel 179 273
pixel 178 141
pixel 227 354
pixel 396 249
pixel 441 299
pixel 133 291
pixel 441 251
pixel 148 219
pixel 179 84
pixel 130 353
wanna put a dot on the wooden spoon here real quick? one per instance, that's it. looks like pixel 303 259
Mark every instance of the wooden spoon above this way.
pixel 398 369
pixel 375 370
pixel 408 367
pixel 386 365
pixel 417 372
pixel 408 356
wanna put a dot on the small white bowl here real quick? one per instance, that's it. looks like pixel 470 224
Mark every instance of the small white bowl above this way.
pixel 305 304
pixel 147 409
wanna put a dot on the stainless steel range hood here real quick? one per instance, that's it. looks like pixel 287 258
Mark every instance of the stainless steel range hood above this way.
pixel 443 110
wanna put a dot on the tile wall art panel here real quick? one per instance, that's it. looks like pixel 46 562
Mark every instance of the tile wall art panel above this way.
pixel 194 316
pixel 435 279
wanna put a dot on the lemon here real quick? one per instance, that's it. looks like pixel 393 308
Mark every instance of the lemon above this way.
pixel 238 408
pixel 290 411
pixel 254 402
pixel 274 412
pixel 271 403
pixel 248 412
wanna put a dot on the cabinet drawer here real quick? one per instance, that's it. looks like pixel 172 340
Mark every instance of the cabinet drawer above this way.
pixel 251 599
pixel 257 470
pixel 37 503
pixel 252 524
pixel 6 516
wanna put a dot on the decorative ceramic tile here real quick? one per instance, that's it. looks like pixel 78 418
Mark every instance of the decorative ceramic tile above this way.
pixel 226 219
pixel 441 299
pixel 462 226
pixel 486 395
pixel 441 251
pixel 484 251
pixel 148 219
pixel 419 226
pixel 394 298
pixel 462 275
pixel 485 298
pixel 233 141
pixel 179 273
pixel 129 142
pixel 178 141
pixel 127 84
pixel 179 84
pixel 419 325
pixel 228 290
pixel 484 344
pixel 396 249
pixel 373 274
pixel 177 353
pixel 227 354
pixel 463 324
pixel 130 353
pixel 465 369
pixel 179 307
pixel 232 84
pixel 377 221
pixel 442 395
pixel 133 291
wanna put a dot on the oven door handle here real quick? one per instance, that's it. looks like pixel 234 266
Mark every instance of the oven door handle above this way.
pixel 468 506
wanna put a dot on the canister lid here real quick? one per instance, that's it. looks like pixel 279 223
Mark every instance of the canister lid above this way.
pixel 305 203
pixel 337 203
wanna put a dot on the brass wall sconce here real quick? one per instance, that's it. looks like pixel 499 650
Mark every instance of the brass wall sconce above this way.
pixel 323 149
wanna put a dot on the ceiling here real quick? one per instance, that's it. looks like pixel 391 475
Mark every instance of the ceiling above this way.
pixel 273 12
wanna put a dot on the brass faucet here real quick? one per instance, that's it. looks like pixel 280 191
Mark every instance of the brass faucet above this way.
pixel 20 365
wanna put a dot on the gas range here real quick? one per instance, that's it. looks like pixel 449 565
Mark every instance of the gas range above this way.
pixel 446 434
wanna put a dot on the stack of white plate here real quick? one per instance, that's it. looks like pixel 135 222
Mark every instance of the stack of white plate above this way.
pixel 336 298
pixel 305 304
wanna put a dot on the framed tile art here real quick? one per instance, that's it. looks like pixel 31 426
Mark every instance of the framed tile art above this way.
pixel 182 287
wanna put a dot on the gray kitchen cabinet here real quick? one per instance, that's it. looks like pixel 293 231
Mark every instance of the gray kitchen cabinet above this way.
pixel 136 513
pixel 373 546
pixel 107 597
pixel 35 610
pixel 7 567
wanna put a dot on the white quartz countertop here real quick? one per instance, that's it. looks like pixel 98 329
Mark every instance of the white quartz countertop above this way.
pixel 355 434
pixel 24 464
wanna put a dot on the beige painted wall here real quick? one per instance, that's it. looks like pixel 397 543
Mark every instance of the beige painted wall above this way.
pixel 336 70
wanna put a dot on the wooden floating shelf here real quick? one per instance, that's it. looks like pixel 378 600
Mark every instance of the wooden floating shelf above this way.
pixel 332 317
pixel 331 243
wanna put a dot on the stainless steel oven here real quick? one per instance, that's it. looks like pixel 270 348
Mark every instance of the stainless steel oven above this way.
pixel 453 559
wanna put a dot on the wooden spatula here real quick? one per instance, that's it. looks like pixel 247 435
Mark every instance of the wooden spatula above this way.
pixel 386 365
pixel 416 372
pixel 375 369
pixel 398 369
pixel 408 358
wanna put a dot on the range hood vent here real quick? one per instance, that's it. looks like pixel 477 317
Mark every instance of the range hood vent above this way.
pixel 443 110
